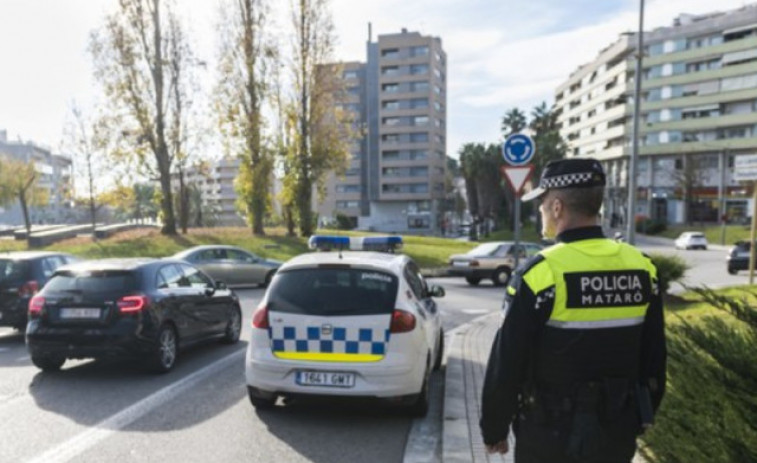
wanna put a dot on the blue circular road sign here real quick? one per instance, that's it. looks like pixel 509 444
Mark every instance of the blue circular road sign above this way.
pixel 518 149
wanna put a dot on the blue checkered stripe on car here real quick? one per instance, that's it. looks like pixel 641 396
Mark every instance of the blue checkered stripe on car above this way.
pixel 340 340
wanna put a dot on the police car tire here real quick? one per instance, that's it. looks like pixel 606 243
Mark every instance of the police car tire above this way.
pixel 261 403
pixel 473 281
pixel 48 363
pixel 497 277
pixel 419 408
pixel 439 351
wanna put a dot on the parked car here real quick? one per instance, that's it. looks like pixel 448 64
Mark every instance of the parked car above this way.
pixel 234 266
pixel 346 324
pixel 738 257
pixel 494 260
pixel 22 274
pixel 143 308
pixel 691 240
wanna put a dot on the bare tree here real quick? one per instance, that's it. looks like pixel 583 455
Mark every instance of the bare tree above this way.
pixel 246 57
pixel 142 67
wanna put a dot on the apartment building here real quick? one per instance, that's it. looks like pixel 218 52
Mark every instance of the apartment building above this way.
pixel 215 182
pixel 53 175
pixel 395 182
pixel 698 111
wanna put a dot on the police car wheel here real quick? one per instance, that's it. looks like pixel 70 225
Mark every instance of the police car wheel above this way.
pixel 473 281
pixel 419 408
pixel 501 276
pixel 439 351
pixel 260 403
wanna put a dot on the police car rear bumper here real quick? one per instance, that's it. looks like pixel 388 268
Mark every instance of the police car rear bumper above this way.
pixel 395 375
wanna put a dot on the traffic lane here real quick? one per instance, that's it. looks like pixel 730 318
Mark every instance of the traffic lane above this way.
pixel 303 431
pixel 464 303
pixel 86 392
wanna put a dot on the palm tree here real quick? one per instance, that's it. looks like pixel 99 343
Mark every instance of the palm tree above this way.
pixel 513 122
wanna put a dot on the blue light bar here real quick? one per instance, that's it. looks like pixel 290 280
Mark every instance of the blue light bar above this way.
pixel 367 243
pixel 327 243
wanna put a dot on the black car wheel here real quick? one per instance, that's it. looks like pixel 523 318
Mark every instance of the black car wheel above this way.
pixel 732 271
pixel 48 362
pixel 501 276
pixel 261 403
pixel 164 354
pixel 234 328
pixel 473 281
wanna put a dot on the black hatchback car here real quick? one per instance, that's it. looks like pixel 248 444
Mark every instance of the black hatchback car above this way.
pixel 22 274
pixel 738 257
pixel 128 307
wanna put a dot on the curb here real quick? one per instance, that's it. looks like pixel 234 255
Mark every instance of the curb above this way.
pixel 455 433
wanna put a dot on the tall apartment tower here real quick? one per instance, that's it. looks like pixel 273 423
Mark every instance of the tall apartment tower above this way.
pixel 395 182
pixel 698 111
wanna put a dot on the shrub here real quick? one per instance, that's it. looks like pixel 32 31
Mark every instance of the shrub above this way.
pixel 669 269
pixel 650 227
pixel 344 222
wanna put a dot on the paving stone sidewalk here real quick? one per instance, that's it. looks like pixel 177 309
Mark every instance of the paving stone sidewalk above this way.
pixel 468 353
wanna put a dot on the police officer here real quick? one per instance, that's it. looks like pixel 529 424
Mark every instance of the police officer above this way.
pixel 578 365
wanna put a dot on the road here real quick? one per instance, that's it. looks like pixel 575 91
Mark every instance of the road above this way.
pixel 114 411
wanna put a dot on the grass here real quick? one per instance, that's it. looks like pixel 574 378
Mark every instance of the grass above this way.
pixel 710 411
pixel 428 252
pixel 733 233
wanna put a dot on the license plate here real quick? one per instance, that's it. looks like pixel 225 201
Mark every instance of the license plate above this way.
pixel 459 264
pixel 79 313
pixel 325 378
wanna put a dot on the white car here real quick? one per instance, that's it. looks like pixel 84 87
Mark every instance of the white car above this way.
pixel 691 240
pixel 347 324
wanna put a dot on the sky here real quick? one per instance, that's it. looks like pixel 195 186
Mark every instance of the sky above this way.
pixel 500 54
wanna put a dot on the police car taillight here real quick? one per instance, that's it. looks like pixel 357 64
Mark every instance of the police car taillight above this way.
pixel 260 318
pixel 402 321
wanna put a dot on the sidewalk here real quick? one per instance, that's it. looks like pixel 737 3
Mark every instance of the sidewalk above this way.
pixel 467 356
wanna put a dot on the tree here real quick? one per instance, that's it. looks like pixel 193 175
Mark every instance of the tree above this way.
pixel 246 58
pixel 143 67
pixel 87 142
pixel 323 129
pixel 18 181
pixel 513 122
pixel 688 179
pixel 549 144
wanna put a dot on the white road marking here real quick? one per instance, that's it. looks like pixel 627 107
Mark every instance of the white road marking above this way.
pixel 78 444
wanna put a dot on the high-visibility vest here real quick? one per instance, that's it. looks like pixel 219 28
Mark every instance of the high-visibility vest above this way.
pixel 600 292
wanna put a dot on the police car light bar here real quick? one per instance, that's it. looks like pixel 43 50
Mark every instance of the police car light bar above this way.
pixel 367 243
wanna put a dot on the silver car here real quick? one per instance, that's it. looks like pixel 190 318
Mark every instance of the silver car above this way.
pixel 231 265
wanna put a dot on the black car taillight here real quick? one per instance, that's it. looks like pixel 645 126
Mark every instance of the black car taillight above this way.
pixel 35 306
pixel 28 289
pixel 132 304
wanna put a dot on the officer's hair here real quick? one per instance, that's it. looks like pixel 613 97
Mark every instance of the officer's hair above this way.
pixel 583 201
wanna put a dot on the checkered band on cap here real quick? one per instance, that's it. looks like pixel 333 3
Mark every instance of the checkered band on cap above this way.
pixel 567 180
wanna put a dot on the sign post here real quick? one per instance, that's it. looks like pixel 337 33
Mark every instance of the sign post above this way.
pixel 745 169
pixel 518 150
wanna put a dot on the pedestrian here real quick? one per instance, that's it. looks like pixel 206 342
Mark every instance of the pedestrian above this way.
pixel 578 365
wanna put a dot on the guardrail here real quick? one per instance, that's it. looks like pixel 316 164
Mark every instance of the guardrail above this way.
pixel 20 234
pixel 51 236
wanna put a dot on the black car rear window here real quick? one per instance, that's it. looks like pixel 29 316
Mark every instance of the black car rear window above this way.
pixel 92 282
pixel 13 270
pixel 333 291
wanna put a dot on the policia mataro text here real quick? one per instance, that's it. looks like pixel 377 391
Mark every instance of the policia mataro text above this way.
pixel 578 366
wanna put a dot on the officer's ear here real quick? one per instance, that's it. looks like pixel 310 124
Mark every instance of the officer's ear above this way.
pixel 557 207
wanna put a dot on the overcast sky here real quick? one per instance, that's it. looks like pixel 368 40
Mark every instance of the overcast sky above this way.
pixel 501 54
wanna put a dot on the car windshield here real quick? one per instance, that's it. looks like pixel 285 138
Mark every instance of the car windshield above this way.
pixel 485 249
pixel 92 282
pixel 333 291
pixel 697 235
pixel 12 270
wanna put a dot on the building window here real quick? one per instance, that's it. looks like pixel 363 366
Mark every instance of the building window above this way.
pixel 418 222
pixel 348 188
pixel 347 204
pixel 391 105
pixel 352 172
pixel 417 69
pixel 390 88
pixel 390 138
pixel 390 70
pixel 390 53
pixel 419 86
pixel 391 121
pixel 416 103
pixel 421 137
pixel 349 74
pixel 420 120
pixel 419 51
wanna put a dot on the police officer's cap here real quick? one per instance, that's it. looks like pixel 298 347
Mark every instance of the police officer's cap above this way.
pixel 568 173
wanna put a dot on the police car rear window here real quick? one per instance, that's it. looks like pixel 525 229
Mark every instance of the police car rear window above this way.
pixel 333 291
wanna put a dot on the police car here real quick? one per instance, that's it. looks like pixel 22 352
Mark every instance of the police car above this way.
pixel 348 324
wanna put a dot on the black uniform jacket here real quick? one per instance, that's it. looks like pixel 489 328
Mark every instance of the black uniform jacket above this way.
pixel 514 348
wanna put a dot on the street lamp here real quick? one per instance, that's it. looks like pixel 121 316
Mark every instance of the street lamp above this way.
pixel 632 168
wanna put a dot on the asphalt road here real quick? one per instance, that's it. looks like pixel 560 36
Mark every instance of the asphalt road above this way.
pixel 113 411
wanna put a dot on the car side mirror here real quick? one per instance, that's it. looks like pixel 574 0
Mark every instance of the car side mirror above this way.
pixel 437 291
pixel 221 285
pixel 210 290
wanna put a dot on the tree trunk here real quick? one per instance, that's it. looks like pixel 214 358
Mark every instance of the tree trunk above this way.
pixel 289 219
pixel 304 194
pixel 183 203
pixel 166 203
pixel 25 211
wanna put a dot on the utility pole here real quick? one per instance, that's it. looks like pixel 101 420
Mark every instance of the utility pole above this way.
pixel 630 223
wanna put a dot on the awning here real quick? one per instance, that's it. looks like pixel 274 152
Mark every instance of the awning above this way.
pixel 736 56
pixel 740 29
pixel 708 107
